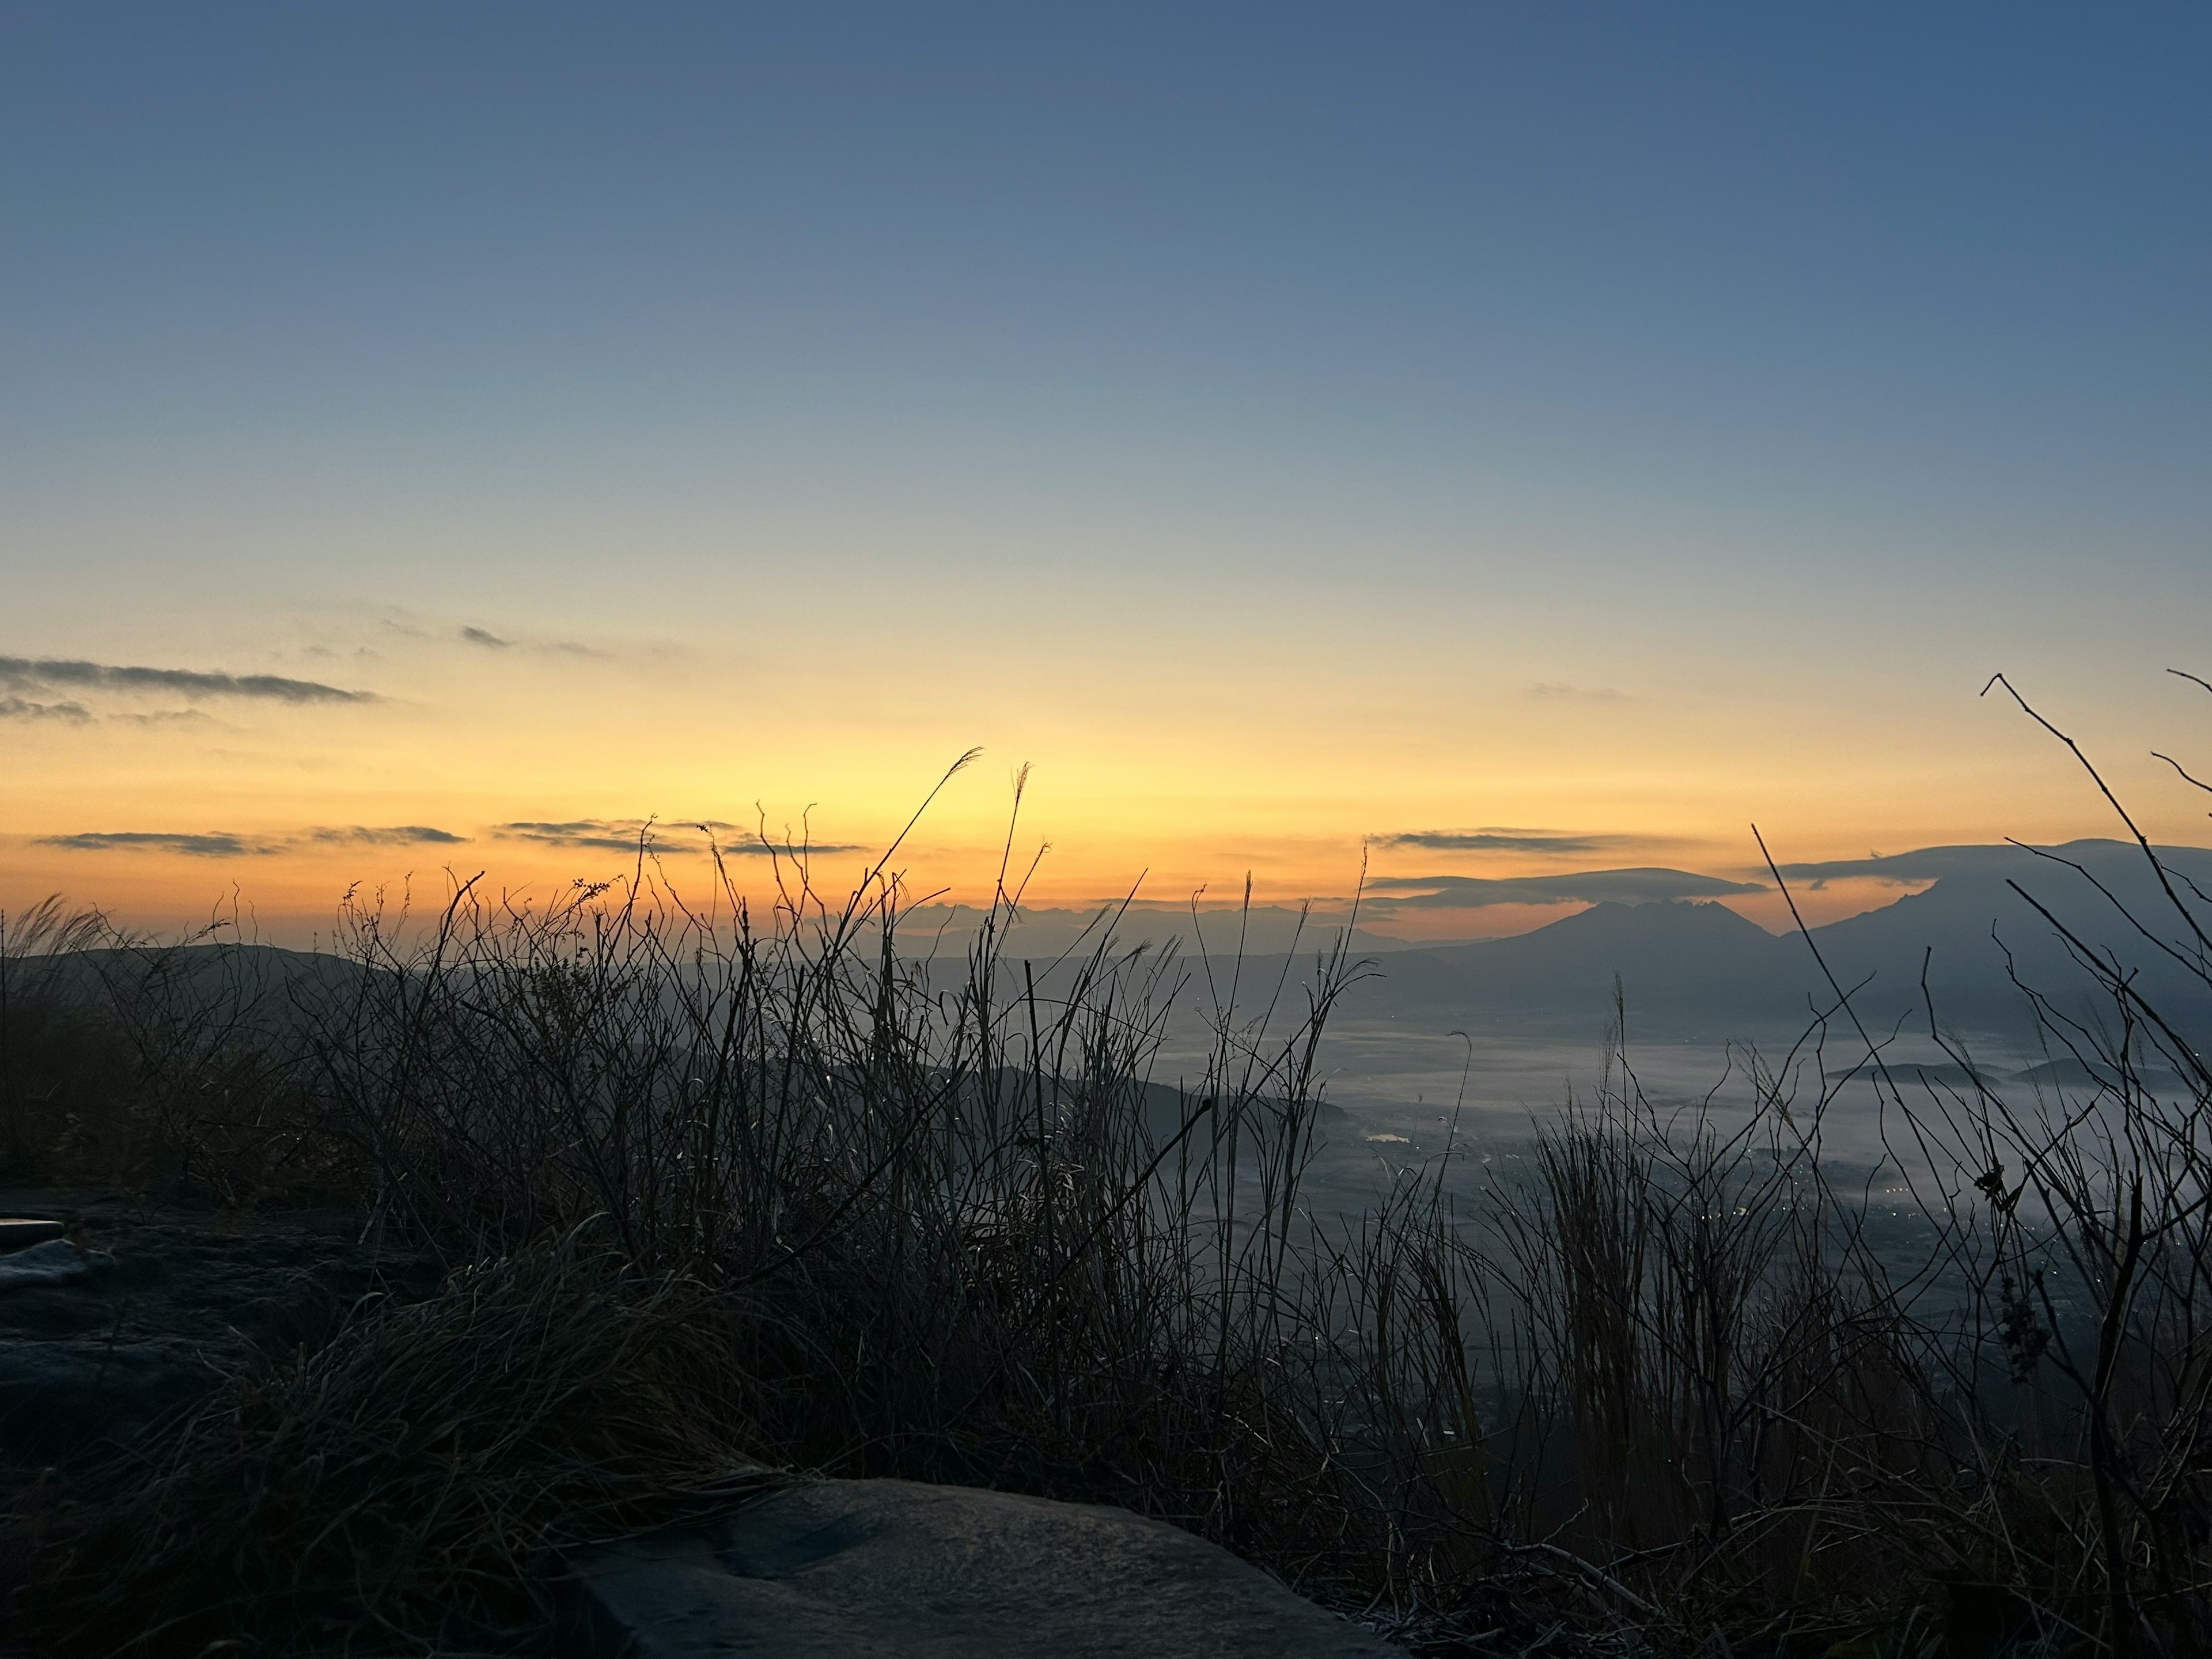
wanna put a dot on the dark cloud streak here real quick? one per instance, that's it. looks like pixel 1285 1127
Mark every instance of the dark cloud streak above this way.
pixel 70 713
pixel 222 844
pixel 211 844
pixel 165 717
pixel 48 674
pixel 492 642
pixel 398 834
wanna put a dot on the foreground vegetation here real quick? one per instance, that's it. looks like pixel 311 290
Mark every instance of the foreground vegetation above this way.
pixel 729 1192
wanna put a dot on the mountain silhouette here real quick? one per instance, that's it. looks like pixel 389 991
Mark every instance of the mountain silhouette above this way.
pixel 1687 969
pixel 1979 939
pixel 1695 967
pixel 1968 944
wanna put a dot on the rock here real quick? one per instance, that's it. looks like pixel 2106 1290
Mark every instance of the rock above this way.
pixel 889 1569
pixel 15 1232
pixel 92 1363
pixel 54 1262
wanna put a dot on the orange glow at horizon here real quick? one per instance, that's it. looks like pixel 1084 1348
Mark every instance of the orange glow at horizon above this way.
pixel 164 810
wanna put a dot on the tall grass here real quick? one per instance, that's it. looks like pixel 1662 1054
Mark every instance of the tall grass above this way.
pixel 947 1215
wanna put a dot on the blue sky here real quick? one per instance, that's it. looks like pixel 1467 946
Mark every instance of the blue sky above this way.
pixel 1722 358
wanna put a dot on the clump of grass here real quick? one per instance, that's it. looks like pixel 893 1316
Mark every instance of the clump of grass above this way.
pixel 56 1054
pixel 402 1489
pixel 163 1068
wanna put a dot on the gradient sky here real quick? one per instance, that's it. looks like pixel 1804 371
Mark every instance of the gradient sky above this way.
pixel 1283 425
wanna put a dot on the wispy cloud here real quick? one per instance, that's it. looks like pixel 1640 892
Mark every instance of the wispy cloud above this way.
pixel 225 844
pixel 51 673
pixel 70 713
pixel 1638 886
pixel 1559 691
pixel 603 835
pixel 621 835
pixel 472 635
pixel 599 835
pixel 753 847
pixel 1499 839
pixel 398 834
pixel 165 717
pixel 210 844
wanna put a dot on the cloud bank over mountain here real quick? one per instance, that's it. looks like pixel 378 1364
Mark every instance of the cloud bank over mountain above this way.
pixel 1994 862
pixel 1636 886
pixel 1956 954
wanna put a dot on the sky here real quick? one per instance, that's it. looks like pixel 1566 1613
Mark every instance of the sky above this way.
pixel 1491 441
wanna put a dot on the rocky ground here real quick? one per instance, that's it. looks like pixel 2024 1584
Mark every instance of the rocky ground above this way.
pixel 111 1335
pixel 94 1359
pixel 891 1569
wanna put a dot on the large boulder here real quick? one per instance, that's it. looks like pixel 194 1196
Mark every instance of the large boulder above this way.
pixel 889 1569
pixel 56 1262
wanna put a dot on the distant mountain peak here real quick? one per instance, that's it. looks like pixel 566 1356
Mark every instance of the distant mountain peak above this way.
pixel 1660 919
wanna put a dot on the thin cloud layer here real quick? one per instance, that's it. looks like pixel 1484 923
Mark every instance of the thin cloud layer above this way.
pixel 753 847
pixel 1993 860
pixel 622 836
pixel 471 634
pixel 1504 841
pixel 1559 691
pixel 169 717
pixel 224 844
pixel 53 673
pixel 1638 886
pixel 1910 869
pixel 211 844
pixel 603 835
pixel 398 834
pixel 19 708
